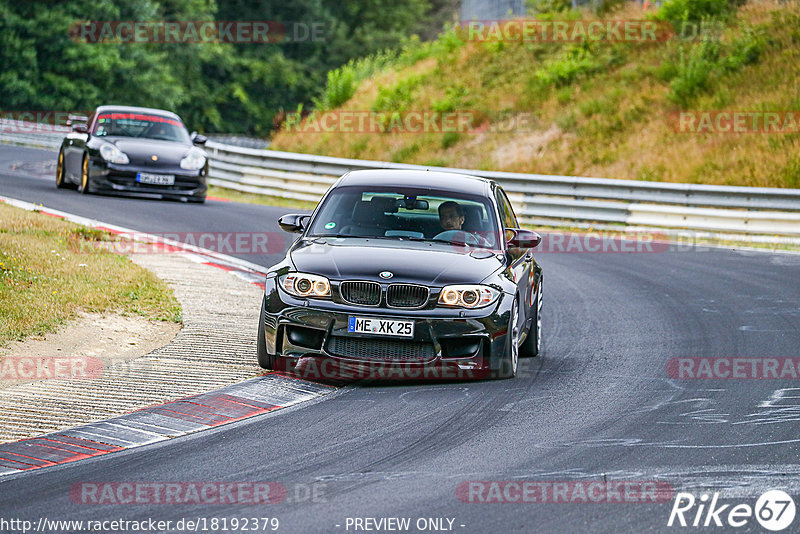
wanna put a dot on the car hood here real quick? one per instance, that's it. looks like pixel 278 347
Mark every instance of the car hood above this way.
pixel 425 263
pixel 141 151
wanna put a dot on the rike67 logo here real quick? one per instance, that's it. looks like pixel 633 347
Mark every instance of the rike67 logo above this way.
pixel 774 511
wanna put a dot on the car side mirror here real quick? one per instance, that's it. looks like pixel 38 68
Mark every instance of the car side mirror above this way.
pixel 294 223
pixel 199 139
pixel 521 238
pixel 80 128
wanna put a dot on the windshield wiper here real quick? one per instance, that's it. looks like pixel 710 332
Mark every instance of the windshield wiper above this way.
pixel 391 237
pixel 411 238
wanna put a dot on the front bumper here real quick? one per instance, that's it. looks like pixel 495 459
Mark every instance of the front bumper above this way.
pixel 121 179
pixel 312 338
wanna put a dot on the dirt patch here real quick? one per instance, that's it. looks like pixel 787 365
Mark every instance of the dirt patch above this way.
pixel 85 346
pixel 521 150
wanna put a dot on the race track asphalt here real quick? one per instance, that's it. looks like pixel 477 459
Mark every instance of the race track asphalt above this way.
pixel 599 405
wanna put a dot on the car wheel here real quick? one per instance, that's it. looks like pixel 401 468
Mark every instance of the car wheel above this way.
pixel 86 184
pixel 532 346
pixel 265 359
pixel 61 183
pixel 510 360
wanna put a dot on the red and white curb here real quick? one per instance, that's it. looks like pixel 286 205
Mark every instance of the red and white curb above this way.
pixel 256 396
pixel 232 403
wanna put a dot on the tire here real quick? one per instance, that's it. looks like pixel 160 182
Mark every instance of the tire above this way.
pixel 61 182
pixel 509 362
pixel 85 186
pixel 265 359
pixel 532 346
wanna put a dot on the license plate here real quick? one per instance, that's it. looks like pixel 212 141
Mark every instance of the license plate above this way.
pixel 155 179
pixel 375 325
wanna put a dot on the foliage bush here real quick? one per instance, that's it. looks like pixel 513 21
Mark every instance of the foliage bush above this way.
pixel 453 100
pixel 549 6
pixel 343 82
pixel 398 96
pixel 692 73
pixel 576 61
pixel 694 10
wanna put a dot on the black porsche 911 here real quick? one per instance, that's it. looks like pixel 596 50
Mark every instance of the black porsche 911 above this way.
pixel 405 270
pixel 131 150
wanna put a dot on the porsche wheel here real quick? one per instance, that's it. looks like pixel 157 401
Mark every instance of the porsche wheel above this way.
pixel 61 183
pixel 86 182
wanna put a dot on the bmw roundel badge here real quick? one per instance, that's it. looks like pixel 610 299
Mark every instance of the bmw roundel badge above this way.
pixel 386 275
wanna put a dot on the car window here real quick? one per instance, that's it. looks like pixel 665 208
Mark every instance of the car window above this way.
pixel 398 213
pixel 140 125
pixel 509 219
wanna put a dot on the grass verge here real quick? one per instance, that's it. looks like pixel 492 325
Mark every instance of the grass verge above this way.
pixel 48 274
pixel 251 198
pixel 593 108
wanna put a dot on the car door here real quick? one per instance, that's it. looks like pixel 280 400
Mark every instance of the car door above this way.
pixel 521 260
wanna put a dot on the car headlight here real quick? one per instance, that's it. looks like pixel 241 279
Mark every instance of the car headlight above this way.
pixel 194 160
pixel 112 154
pixel 468 296
pixel 306 285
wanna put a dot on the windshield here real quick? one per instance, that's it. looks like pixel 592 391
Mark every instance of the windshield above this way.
pixel 399 213
pixel 141 125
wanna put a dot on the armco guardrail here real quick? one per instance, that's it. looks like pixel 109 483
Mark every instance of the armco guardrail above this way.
pixel 539 199
pixel 31 134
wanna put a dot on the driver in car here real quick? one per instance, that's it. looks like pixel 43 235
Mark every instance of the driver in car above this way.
pixel 451 215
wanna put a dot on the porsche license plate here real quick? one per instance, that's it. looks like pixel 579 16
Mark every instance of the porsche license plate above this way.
pixel 377 325
pixel 155 179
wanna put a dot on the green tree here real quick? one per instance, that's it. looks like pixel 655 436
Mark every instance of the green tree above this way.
pixel 231 87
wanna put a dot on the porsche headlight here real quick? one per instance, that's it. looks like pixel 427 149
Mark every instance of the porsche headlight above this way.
pixel 194 160
pixel 468 296
pixel 306 285
pixel 112 154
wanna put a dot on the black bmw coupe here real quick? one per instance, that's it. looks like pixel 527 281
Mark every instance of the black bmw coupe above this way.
pixel 404 274
pixel 130 150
